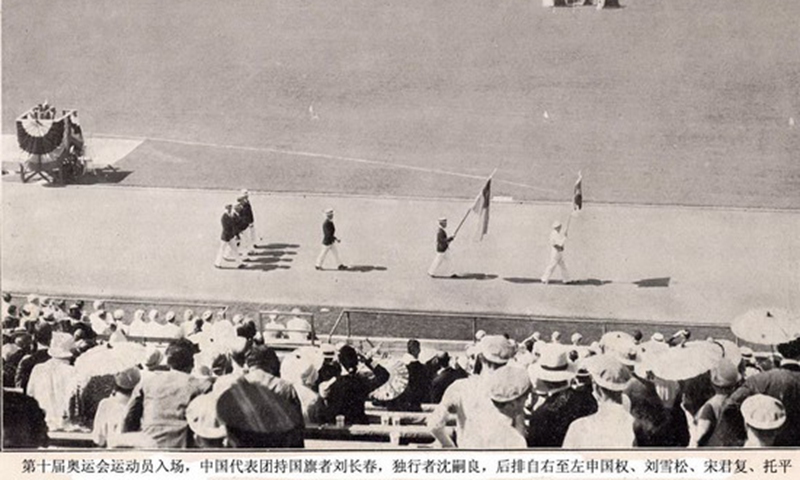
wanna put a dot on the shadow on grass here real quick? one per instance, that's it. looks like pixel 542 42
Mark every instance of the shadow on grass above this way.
pixel 660 282
pixel 265 260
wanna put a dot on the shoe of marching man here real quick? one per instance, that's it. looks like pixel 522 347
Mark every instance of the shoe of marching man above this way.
pixel 342 267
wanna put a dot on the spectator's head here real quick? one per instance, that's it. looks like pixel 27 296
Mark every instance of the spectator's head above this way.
pixel 152 316
pixel 61 346
pixel 246 330
pixel 228 208
pixel 790 350
pixel 637 336
pixel 348 358
pixel 169 317
pixel 657 337
pixel 725 376
pixel 201 415
pixel 479 335
pixel 33 299
pixel 6 297
pixel 764 416
pixel 126 380
pixel 43 334
pixel 221 365
pixel 188 315
pixel 119 315
pixel 610 377
pixel 264 358
pixel 207 316
pixel 243 194
pixel 413 348
pixel 254 416
pixel 299 369
pixel 555 337
pixel 99 306
pixel 23 422
pixel 552 372
pixel 138 315
pixel 576 338
pixel 509 388
pixel 75 312
pixel 495 351
pixel 180 355
pixel 537 336
pixel 10 322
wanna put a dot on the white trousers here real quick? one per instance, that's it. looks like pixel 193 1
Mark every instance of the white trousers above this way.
pixel 227 251
pixel 441 265
pixel 556 260
pixel 248 238
pixel 324 253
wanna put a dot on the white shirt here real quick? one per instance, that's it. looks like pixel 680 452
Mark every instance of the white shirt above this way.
pixel 610 427
pixel 52 383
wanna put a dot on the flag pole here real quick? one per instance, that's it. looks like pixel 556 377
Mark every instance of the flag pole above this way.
pixel 569 219
pixel 470 208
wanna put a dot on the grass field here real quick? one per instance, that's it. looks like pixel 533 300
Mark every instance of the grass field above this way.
pixel 669 102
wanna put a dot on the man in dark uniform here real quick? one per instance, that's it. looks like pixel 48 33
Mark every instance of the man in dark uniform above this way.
pixel 248 236
pixel 329 242
pixel 228 240
pixel 441 263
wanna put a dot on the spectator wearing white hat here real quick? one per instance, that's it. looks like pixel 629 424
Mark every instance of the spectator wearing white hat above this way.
pixel 298 329
pixel 469 399
pixel 99 319
pixel 53 382
pixel 441 268
pixel 557 243
pixel 138 327
pixel 559 404
pixel 612 425
pixel 329 241
pixel 576 339
pixel 274 329
pixel 228 249
pixel 170 329
pixel 509 389
pixel 201 413
pixel 763 416
pixel 110 415
pixel 749 364
pixel 725 378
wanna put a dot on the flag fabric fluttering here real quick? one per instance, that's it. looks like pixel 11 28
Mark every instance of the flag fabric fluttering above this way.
pixel 481 208
pixel 577 196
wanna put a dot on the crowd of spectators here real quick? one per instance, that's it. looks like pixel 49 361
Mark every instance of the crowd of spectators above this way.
pixel 222 383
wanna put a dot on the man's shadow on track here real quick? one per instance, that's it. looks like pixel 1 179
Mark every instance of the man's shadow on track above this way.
pixel 270 257
pixel 365 268
pixel 661 282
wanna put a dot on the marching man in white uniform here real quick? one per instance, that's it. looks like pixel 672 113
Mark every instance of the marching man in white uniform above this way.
pixel 557 241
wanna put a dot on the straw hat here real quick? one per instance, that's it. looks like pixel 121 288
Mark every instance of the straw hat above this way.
pixel 61 345
pixel 508 384
pixel 128 378
pixel 496 349
pixel 608 372
pixel 553 366
pixel 201 414
pixel 763 412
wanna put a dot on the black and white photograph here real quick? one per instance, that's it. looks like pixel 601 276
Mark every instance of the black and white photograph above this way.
pixel 418 226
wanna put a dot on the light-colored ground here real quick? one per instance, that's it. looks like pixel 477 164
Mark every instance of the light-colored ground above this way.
pixel 160 243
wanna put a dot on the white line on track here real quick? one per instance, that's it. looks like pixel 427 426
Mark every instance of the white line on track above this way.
pixel 322 155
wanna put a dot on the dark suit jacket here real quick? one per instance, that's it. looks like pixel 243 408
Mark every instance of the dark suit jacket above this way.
pixel 443 380
pixel 348 393
pixel 228 227
pixel 247 213
pixel 549 423
pixel 416 393
pixel 781 383
pixel 328 232
pixel 442 240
